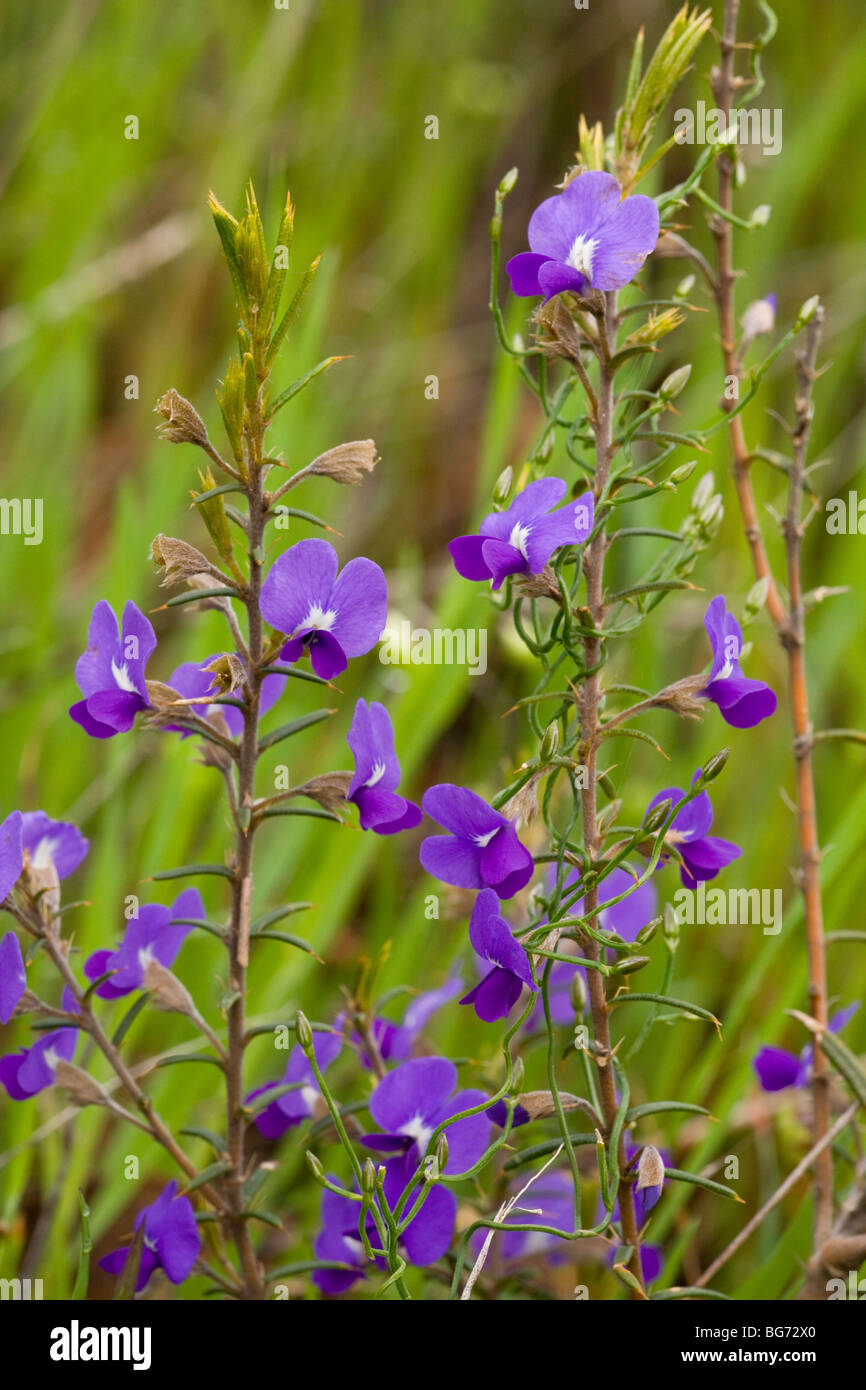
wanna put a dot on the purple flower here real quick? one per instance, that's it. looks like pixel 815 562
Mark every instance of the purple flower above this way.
pixel 296 1105
pixel 493 940
pixel 627 919
pixel 703 855
pixel 339 1240
pixel 778 1068
pixel 155 934
pixel 11 853
pixel 31 1070
pixel 13 981
pixel 192 681
pixel 522 539
pixel 408 1105
pixel 110 673
pixel 377 773
pixel 333 616
pixel 395 1040
pixel 482 849
pixel 52 844
pixel 585 238
pixel 743 703
pixel 171 1240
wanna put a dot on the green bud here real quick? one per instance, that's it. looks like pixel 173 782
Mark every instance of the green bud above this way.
pixel 629 965
pixel 368 1178
pixel 757 597
pixel 685 287
pixel 518 1072
pixel 646 934
pixel 315 1166
pixel 550 742
pixel 671 928
pixel 304 1032
pixel 807 312
pixel 578 992
pixel 712 769
pixel 502 486
pixel 703 492
pixel 656 818
pixel 440 1152
pixel 507 183
pixel 675 383
pixel 684 471
pixel 761 216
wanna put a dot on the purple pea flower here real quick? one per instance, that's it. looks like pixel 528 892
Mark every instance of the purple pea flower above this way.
pixel 777 1068
pixel 11 853
pixel 481 850
pixel 395 1040
pixel 743 703
pixel 339 1240
pixel 192 681
pixel 155 934
pixel 13 980
pixel 297 1105
pixel 408 1105
pixel 493 940
pixel 377 773
pixel 333 616
pixel 522 539
pixel 171 1240
pixel 110 673
pixel 627 919
pixel 52 844
pixel 703 854
pixel 586 237
pixel 31 1070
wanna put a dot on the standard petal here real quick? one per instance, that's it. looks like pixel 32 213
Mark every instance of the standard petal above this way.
pixel 11 852
pixel 467 1139
pixel 461 811
pixel 624 243
pixel 93 667
pixel 301 578
pixel 52 842
pixel 138 643
pixel 584 204
pixel 416 1089
pixel 569 525
pixel 360 598
pixel 13 980
pixel 178 1241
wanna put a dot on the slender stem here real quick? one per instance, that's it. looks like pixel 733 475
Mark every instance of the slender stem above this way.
pixel 593 566
pixel 789 625
pixel 239 926
pixel 794 639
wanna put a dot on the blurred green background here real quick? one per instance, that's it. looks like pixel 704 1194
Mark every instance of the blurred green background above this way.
pixel 109 269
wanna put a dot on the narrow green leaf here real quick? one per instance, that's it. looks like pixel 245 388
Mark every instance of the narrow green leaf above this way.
pixel 677 1175
pixel 82 1278
pixel 213 1170
pixel 190 870
pixel 128 1019
pixel 295 726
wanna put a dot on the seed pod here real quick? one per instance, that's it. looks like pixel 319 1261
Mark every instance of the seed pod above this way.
pixel 183 424
pixel 347 463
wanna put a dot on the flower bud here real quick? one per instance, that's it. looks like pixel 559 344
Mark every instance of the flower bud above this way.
pixel 650 1175
pixel 757 597
pixel 368 1178
pixel 229 672
pixel 646 934
pixel 807 312
pixel 703 492
pixel 315 1165
pixel 507 183
pixel 518 1073
pixel 440 1152
pixel 183 424
pixel 685 287
pixel 714 766
pixel 80 1087
pixel 671 928
pixel 655 819
pixel 304 1032
pixel 347 463
pixel 761 216
pixel 629 965
pixel 759 317
pixel 578 993
pixel 550 742
pixel 675 383
pixel 502 486
pixel 684 471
